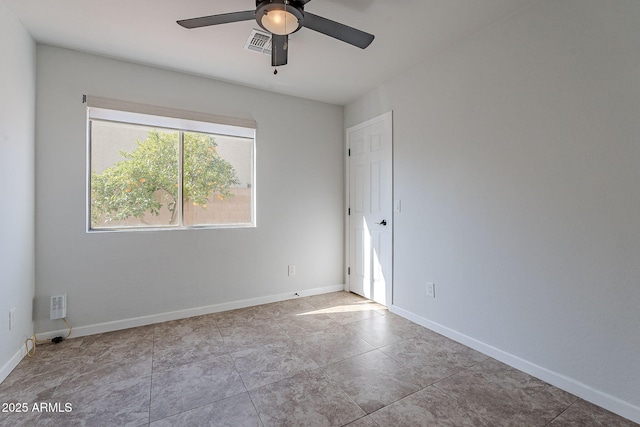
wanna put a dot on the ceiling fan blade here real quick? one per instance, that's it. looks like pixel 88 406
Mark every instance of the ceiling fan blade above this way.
pixel 224 18
pixel 337 30
pixel 279 49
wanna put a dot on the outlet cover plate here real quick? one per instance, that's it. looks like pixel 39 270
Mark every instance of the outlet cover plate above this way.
pixel 12 318
pixel 58 307
pixel 431 289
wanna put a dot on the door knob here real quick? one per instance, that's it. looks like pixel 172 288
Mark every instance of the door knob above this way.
pixel 383 222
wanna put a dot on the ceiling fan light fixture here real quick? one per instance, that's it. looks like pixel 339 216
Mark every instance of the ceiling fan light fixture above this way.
pixel 279 17
pixel 280 22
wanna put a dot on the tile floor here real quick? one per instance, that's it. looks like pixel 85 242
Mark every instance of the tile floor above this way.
pixel 327 360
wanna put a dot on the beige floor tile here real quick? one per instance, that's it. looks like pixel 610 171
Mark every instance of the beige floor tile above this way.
pixel 195 384
pixel 121 403
pixel 100 374
pixel 381 331
pixel 300 325
pixel 506 396
pixel 127 344
pixel 433 359
pixel 181 342
pixel 334 299
pixel 243 337
pixel 270 363
pixel 333 345
pixel 352 310
pixel 308 399
pixel 582 414
pixel 235 411
pixel 363 422
pixel 355 312
pixel 428 407
pixel 373 379
pixel 242 316
pixel 284 308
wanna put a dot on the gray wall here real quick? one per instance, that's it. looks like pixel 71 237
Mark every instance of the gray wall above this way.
pixel 517 160
pixel 109 277
pixel 17 118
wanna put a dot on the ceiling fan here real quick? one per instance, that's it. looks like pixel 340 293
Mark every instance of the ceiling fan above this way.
pixel 281 18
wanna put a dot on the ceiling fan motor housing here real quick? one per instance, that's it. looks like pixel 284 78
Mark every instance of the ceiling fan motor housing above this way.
pixel 288 7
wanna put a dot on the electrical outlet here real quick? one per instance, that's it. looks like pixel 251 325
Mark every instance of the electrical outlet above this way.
pixel 58 307
pixel 431 289
pixel 292 270
pixel 12 318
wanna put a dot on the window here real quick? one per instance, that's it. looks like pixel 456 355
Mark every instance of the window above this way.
pixel 150 171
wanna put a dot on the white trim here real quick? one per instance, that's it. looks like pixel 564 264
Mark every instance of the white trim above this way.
pixel 583 391
pixel 380 118
pixel 117 325
pixel 347 231
pixel 12 363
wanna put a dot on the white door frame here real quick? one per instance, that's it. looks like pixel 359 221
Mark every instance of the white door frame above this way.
pixel 389 287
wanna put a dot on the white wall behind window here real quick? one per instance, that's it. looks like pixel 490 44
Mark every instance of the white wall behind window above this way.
pixel 517 162
pixel 17 118
pixel 115 276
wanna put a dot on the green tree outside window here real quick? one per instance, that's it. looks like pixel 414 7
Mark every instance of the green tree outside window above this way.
pixel 148 179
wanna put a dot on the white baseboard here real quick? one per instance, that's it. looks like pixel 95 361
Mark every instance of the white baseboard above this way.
pixel 563 382
pixel 117 325
pixel 12 363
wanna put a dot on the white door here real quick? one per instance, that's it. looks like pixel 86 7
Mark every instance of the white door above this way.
pixel 370 204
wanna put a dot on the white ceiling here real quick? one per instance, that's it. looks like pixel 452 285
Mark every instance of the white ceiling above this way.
pixel 320 68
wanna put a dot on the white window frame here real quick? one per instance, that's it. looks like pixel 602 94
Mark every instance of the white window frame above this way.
pixel 109 110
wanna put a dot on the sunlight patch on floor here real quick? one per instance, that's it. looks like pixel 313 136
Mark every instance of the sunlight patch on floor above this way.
pixel 347 308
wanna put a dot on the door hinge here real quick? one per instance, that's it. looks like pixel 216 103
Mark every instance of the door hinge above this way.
pixel 349 270
pixel 349 152
pixel 349 211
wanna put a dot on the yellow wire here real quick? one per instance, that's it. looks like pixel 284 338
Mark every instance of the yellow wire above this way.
pixel 34 340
